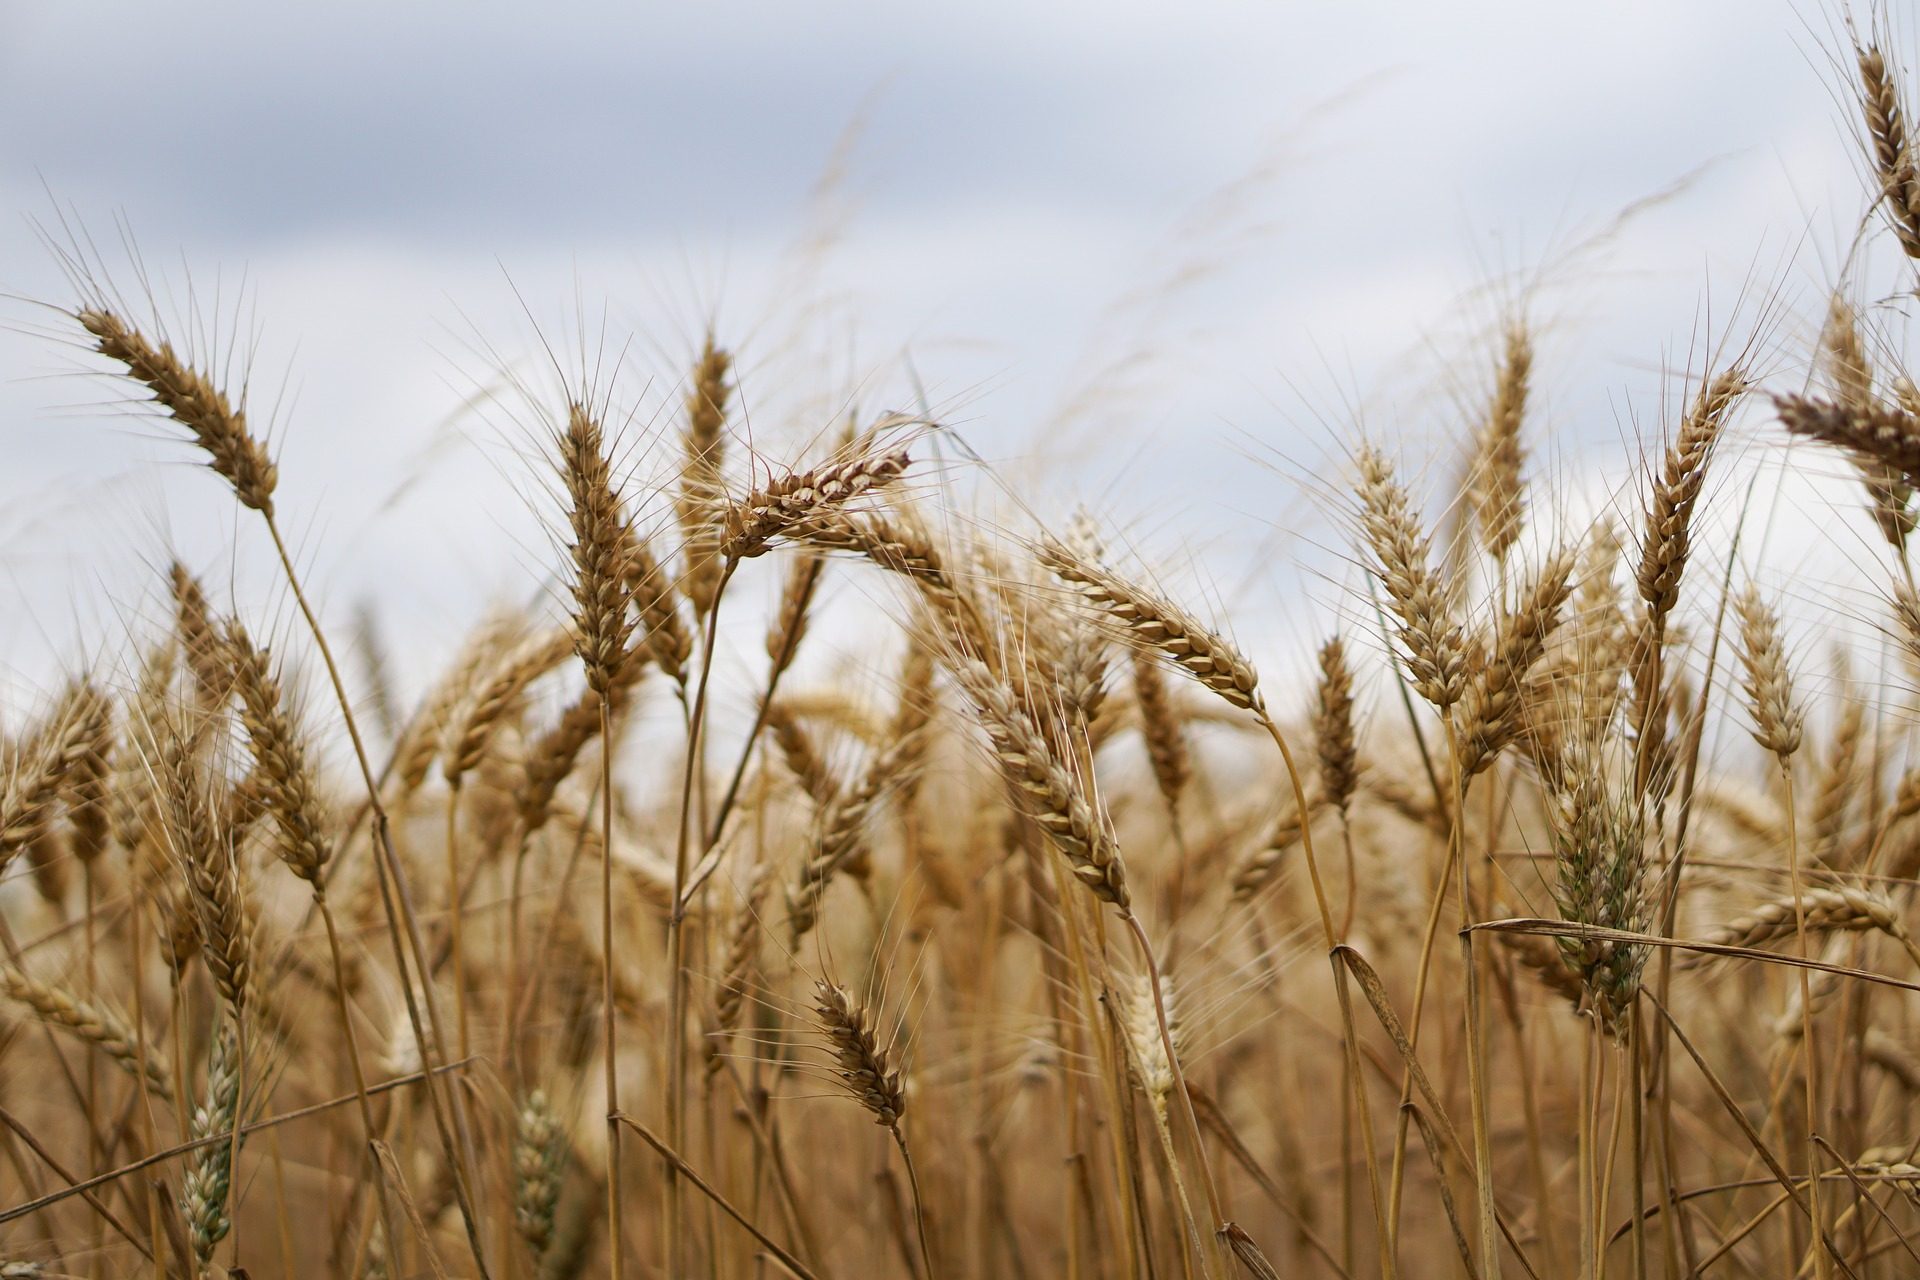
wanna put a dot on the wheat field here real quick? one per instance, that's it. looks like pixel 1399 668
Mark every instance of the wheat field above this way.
pixel 1037 936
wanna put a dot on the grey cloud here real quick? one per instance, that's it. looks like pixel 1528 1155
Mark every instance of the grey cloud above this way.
pixel 273 127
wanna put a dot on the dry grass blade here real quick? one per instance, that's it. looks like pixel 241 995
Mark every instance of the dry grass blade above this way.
pixel 1431 1142
pixel 1547 962
pixel 1754 1140
pixel 672 1157
pixel 1247 1253
pixel 1575 931
pixel 1376 993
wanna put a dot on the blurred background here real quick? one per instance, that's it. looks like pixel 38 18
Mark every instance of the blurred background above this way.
pixel 1162 265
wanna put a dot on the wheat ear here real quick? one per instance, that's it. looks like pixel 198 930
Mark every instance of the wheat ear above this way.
pixel 101 1027
pixel 787 502
pixel 702 492
pixel 540 1150
pixel 1891 148
pixel 1496 485
pixel 191 398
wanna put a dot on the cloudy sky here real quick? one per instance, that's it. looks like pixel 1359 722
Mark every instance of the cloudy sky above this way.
pixel 1159 264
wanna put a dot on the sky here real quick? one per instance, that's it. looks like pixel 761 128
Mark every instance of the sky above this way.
pixel 1167 266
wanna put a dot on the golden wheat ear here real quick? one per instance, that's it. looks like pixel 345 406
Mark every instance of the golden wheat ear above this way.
pixel 1049 791
pixel 103 1028
pixel 1676 491
pixel 1777 718
pixel 787 503
pixel 1434 650
pixel 1159 624
pixel 190 398
pixel 1890 148
pixel 1887 434
pixel 285 782
pixel 203 848
pixel 602 549
pixel 1492 709
pixel 1496 487
pixel 59 750
pixel 700 503
pixel 1831 909
pixel 866 1067
pixel 1334 741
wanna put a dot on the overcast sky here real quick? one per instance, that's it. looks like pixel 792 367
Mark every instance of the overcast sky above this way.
pixel 1160 263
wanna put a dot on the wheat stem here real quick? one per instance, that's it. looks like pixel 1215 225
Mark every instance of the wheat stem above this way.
pixel 616 1251
pixel 676 921
pixel 431 1053
pixel 919 1208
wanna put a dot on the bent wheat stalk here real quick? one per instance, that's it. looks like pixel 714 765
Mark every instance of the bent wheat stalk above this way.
pixel 234 453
